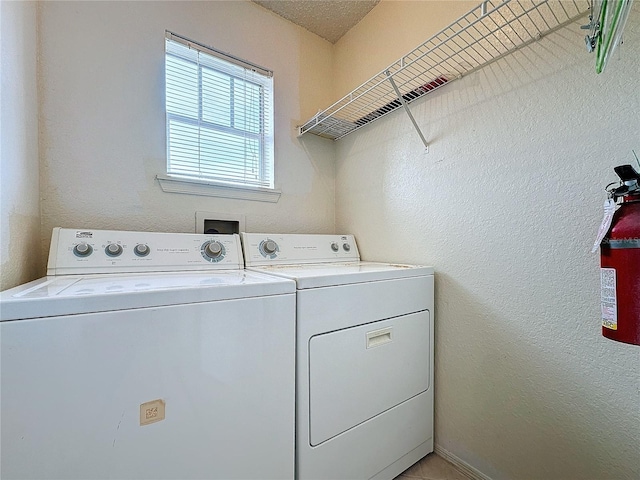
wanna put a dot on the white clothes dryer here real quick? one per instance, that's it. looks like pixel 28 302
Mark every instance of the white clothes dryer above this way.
pixel 147 356
pixel 364 370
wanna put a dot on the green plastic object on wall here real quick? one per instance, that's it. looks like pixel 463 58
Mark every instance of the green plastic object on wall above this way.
pixel 612 18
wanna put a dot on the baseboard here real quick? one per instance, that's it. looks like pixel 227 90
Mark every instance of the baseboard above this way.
pixel 460 464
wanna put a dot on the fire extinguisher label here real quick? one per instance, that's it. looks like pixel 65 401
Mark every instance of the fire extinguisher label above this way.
pixel 609 210
pixel 608 298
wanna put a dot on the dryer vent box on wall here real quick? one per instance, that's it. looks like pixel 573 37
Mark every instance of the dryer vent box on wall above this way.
pixel 219 223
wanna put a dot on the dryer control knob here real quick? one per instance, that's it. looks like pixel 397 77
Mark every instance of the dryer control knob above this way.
pixel 346 247
pixel 269 247
pixel 335 247
pixel 113 250
pixel 82 250
pixel 212 249
pixel 141 250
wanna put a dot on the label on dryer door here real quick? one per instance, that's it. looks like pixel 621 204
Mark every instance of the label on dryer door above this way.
pixel 608 298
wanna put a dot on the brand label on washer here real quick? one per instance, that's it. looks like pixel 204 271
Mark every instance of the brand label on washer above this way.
pixel 84 234
pixel 152 412
pixel 608 298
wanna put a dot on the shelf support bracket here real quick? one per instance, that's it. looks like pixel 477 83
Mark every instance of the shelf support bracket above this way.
pixel 406 108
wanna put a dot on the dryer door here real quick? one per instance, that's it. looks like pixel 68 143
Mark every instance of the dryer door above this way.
pixel 359 372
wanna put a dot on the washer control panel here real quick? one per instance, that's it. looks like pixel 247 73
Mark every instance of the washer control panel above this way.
pixel 106 251
pixel 286 249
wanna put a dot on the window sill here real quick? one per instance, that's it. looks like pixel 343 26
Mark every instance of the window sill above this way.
pixel 173 184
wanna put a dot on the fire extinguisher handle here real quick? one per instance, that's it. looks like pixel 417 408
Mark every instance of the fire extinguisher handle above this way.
pixel 627 173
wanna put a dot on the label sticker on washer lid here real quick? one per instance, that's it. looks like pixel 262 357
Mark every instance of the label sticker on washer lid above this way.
pixel 151 412
pixel 609 210
pixel 609 302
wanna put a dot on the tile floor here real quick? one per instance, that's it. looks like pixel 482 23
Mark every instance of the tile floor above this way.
pixel 432 467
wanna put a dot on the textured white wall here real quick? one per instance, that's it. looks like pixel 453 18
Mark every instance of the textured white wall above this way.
pixel 506 206
pixel 102 120
pixel 19 175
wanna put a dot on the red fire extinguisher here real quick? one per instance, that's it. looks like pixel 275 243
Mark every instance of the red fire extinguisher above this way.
pixel 620 261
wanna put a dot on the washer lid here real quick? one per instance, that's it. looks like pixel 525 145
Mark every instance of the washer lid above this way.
pixel 330 274
pixel 77 294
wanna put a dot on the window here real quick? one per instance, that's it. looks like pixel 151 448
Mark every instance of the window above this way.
pixel 219 117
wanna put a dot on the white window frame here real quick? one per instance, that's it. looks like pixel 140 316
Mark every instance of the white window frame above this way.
pixel 199 178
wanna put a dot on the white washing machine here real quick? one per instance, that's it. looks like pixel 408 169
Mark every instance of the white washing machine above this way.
pixel 177 365
pixel 364 355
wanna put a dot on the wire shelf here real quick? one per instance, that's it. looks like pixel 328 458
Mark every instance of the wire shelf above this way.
pixel 487 33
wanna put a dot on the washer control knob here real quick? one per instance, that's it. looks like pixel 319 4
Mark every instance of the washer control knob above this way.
pixel 346 247
pixel 335 247
pixel 269 247
pixel 82 250
pixel 212 249
pixel 141 250
pixel 113 250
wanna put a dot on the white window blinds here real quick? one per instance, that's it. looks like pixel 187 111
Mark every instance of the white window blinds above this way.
pixel 219 116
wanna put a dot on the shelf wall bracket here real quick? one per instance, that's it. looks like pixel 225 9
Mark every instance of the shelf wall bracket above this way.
pixel 406 108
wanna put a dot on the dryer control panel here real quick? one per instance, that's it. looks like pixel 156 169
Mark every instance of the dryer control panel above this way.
pixel 76 251
pixel 262 249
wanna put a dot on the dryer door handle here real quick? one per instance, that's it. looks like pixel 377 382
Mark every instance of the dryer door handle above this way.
pixel 376 338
